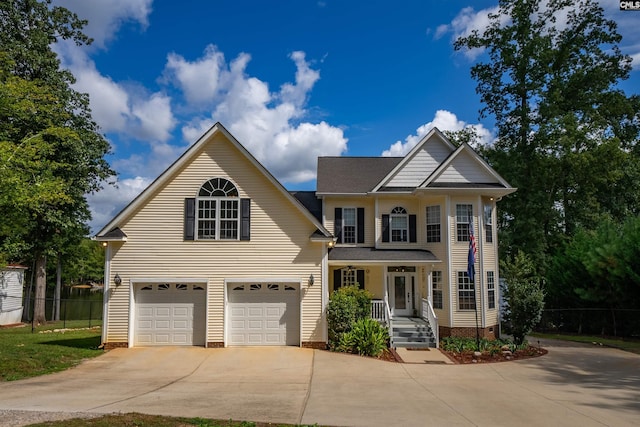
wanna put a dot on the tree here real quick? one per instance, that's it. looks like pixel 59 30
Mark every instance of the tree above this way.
pixel 567 136
pixel 51 151
pixel 523 295
pixel 599 268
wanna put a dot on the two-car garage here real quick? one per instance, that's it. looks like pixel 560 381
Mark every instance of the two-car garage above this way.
pixel 257 313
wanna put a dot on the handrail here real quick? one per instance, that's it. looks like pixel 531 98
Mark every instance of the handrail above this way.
pixel 377 310
pixel 431 317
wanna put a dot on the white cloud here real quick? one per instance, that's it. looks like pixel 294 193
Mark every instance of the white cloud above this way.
pixel 107 16
pixel 106 204
pixel 443 120
pixel 153 118
pixel 267 123
pixel 198 80
pixel 468 20
pixel 126 110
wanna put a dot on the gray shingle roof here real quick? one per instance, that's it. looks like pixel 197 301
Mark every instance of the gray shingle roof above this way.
pixel 309 201
pixel 352 174
pixel 373 254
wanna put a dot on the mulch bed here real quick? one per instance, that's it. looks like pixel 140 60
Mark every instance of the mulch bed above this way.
pixel 469 356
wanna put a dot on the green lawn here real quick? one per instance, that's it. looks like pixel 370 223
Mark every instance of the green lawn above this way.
pixel 632 346
pixel 25 354
pixel 133 419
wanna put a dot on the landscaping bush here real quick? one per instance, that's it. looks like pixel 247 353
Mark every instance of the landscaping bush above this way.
pixel 348 305
pixel 367 337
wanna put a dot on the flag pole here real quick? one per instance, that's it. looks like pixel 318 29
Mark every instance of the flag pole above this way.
pixel 471 272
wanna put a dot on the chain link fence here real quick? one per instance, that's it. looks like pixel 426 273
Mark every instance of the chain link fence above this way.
pixel 82 310
pixel 591 321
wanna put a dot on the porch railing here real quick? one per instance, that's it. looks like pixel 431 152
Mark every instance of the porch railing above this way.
pixel 379 311
pixel 430 316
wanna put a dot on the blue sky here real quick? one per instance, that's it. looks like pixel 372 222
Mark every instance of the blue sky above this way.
pixel 291 79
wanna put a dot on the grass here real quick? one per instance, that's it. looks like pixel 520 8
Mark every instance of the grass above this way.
pixel 632 346
pixel 138 420
pixel 25 354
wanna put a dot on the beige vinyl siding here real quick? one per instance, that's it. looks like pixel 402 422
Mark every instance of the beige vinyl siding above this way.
pixel 459 253
pixel 331 203
pixel 490 263
pixel 424 162
pixel 375 280
pixel 279 245
pixel 464 169
pixel 440 252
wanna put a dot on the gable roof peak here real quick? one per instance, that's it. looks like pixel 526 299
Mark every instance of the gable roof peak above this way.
pixel 177 165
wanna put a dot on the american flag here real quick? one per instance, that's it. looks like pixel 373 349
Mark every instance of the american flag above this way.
pixel 471 259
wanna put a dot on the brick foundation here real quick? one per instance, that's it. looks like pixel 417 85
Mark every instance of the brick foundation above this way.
pixel 318 345
pixel 215 344
pixel 490 332
pixel 112 345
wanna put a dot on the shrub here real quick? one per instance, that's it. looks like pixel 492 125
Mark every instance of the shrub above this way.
pixel 348 304
pixel 367 337
pixel 523 296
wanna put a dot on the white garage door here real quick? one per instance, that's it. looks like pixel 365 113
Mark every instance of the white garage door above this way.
pixel 264 314
pixel 170 314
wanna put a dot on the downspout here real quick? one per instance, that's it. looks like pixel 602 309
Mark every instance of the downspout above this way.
pixel 105 292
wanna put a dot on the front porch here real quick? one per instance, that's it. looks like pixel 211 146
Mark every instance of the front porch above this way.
pixel 400 282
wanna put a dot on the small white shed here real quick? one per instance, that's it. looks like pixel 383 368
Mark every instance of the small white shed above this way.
pixel 11 284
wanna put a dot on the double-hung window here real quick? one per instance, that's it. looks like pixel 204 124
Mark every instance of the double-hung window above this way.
pixel 218 210
pixel 436 278
pixel 488 223
pixel 464 216
pixel 433 224
pixel 491 289
pixel 399 223
pixel 466 292
pixel 349 225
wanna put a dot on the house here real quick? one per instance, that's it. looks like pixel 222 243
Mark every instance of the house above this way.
pixel 216 252
pixel 11 285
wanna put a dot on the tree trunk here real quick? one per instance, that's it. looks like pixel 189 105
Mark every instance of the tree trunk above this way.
pixel 41 290
pixel 56 297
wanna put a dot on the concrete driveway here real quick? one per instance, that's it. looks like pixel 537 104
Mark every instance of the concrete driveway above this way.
pixel 574 385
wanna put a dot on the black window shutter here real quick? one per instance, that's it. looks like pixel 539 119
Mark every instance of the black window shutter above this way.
pixel 245 219
pixel 385 228
pixel 360 225
pixel 337 225
pixel 337 279
pixel 360 278
pixel 189 218
pixel 413 234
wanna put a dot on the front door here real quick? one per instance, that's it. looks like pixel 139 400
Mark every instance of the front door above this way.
pixel 401 293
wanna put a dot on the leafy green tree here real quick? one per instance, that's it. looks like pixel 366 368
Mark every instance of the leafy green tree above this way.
pixel 51 151
pixel 599 268
pixel 567 136
pixel 523 295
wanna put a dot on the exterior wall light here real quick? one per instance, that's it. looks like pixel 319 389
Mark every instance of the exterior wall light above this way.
pixel 311 280
pixel 117 280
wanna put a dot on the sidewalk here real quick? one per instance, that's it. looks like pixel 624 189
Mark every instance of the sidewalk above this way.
pixel 431 356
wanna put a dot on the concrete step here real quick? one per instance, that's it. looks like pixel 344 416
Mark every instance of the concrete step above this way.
pixel 415 345
pixel 411 332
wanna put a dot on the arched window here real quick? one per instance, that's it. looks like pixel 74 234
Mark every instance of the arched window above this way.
pixel 399 225
pixel 218 210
